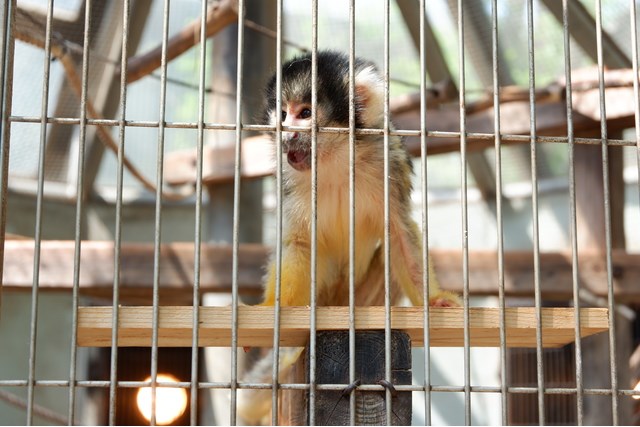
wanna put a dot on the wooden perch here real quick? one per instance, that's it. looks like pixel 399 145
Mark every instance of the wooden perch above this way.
pixel 219 15
pixel 177 271
pixel 255 325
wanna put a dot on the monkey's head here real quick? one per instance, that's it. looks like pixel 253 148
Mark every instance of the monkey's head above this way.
pixel 332 103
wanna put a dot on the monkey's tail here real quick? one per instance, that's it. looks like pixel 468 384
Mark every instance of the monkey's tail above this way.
pixel 254 405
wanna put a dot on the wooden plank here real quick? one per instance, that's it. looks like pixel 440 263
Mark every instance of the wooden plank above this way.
pixel 177 269
pixel 255 325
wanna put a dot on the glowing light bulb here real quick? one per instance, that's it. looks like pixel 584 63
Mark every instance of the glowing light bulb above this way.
pixel 636 388
pixel 171 402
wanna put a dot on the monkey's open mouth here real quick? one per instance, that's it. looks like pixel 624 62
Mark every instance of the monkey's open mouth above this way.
pixel 299 159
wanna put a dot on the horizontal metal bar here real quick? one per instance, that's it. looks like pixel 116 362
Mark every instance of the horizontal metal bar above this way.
pixel 263 128
pixel 300 386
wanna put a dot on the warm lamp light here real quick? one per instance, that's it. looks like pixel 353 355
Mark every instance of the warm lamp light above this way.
pixel 171 402
pixel 636 388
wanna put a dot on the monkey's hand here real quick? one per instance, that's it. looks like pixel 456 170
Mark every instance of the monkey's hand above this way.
pixel 444 299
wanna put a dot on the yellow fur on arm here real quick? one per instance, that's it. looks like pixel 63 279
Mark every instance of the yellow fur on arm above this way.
pixel 295 277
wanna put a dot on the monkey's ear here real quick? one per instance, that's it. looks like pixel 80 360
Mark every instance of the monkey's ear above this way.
pixel 369 96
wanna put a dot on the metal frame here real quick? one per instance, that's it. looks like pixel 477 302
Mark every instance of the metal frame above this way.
pixel 195 384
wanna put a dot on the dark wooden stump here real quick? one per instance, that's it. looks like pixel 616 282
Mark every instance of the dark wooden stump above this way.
pixel 332 367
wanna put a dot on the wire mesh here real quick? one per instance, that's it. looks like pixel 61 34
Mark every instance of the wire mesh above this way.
pixel 466 77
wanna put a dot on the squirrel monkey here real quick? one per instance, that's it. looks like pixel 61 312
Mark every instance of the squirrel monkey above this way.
pixel 332 277
pixel 333 192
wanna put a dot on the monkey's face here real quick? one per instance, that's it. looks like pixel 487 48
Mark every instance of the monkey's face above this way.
pixel 297 145
pixel 332 106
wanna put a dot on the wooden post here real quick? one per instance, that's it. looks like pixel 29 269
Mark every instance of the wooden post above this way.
pixel 332 367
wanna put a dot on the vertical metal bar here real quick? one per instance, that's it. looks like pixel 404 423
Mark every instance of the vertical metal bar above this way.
pixel 195 362
pixel 636 89
pixel 79 195
pixel 314 211
pixel 113 377
pixel 425 216
pixel 6 91
pixel 158 213
pixel 572 211
pixel 236 214
pixel 387 220
pixel 279 183
pixel 607 218
pixel 498 169
pixel 535 210
pixel 465 221
pixel 33 329
pixel 352 210
pixel 536 233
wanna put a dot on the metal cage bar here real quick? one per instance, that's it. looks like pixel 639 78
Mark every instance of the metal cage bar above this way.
pixel 279 219
pixel 195 359
pixel 633 14
pixel 158 211
pixel 387 220
pixel 236 211
pixel 195 385
pixel 499 213
pixel 6 89
pixel 572 205
pixel 326 129
pixel 464 212
pixel 607 219
pixel 313 285
pixel 33 328
pixel 426 276
pixel 352 211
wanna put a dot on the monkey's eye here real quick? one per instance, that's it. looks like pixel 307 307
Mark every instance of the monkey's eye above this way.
pixel 284 115
pixel 305 114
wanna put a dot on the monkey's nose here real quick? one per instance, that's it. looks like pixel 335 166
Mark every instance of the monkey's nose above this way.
pixel 290 137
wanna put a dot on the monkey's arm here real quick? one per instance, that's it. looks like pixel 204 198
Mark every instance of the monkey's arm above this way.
pixel 295 276
pixel 406 264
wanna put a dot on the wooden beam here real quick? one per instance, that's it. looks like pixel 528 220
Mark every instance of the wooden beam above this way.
pixel 219 16
pixel 437 67
pixel 255 325
pixel 257 152
pixel 136 274
pixel 582 27
pixel 556 271
pixel 177 269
